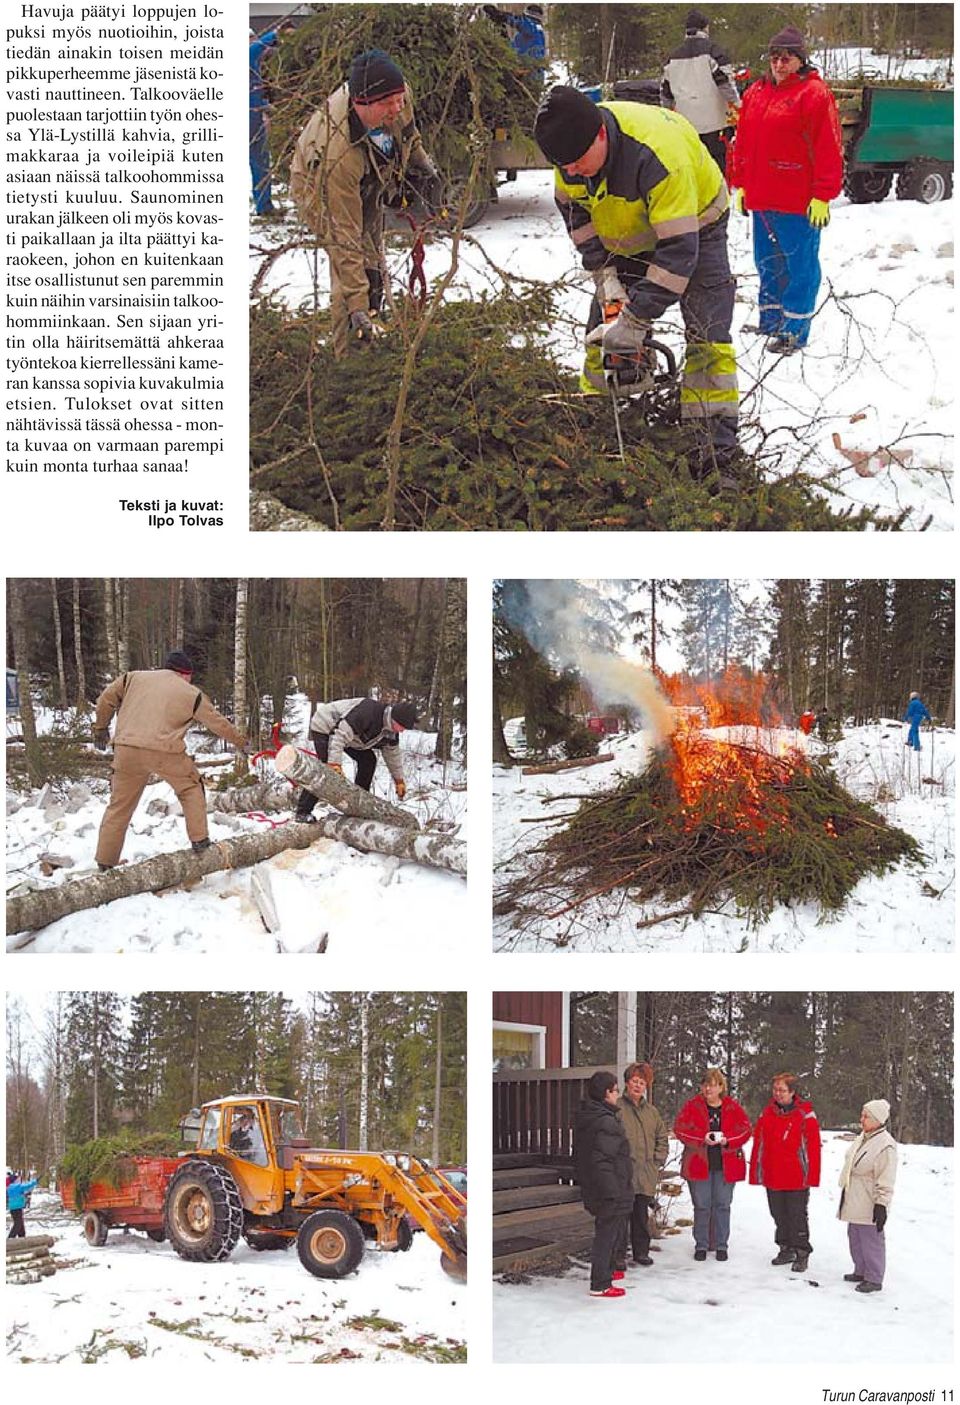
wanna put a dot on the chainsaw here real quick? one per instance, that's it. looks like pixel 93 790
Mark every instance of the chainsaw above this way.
pixel 640 379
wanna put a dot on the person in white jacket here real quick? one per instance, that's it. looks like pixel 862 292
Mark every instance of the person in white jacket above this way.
pixel 866 1184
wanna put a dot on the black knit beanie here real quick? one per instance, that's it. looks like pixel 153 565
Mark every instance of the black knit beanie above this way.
pixel 179 661
pixel 374 75
pixel 790 39
pixel 696 19
pixel 566 124
pixel 405 713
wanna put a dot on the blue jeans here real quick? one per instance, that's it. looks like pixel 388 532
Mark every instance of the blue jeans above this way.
pixel 259 161
pixel 786 250
pixel 712 1199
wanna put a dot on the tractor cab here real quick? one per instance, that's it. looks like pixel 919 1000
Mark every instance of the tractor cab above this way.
pixel 256 1137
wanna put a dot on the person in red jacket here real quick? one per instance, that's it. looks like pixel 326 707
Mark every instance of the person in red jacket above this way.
pixel 714 1129
pixel 786 1160
pixel 787 161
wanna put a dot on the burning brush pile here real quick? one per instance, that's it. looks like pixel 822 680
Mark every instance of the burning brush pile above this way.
pixel 710 822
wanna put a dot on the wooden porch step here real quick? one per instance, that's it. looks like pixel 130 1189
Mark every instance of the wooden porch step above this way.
pixel 532 1197
pixel 548 1222
pixel 533 1175
pixel 525 1252
pixel 509 1160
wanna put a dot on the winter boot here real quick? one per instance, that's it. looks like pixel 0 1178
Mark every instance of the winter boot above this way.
pixel 867 1287
pixel 853 1278
pixel 646 1261
pixel 722 1256
pixel 610 1292
pixel 785 1256
pixel 618 1274
pixel 700 1255
pixel 199 846
pixel 782 345
pixel 799 1264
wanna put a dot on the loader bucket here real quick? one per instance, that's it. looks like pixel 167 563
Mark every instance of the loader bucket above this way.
pixel 455 1268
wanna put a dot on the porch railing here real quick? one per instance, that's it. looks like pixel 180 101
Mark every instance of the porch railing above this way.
pixel 534 1111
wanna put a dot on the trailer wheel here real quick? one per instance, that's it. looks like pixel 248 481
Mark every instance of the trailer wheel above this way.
pixel 262 1242
pixel 866 187
pixel 203 1214
pixel 926 181
pixel 157 1235
pixel 330 1244
pixel 453 199
pixel 95 1229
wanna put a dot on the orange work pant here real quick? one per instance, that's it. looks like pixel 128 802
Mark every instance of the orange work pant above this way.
pixel 133 767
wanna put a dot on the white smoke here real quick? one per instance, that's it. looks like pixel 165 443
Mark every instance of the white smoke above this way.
pixel 554 622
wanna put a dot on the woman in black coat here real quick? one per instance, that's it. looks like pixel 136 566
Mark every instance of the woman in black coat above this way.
pixel 604 1172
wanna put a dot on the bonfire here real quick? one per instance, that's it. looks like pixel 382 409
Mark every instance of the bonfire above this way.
pixel 745 819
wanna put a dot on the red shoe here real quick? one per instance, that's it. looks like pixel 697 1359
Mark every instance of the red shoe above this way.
pixel 618 1273
pixel 608 1292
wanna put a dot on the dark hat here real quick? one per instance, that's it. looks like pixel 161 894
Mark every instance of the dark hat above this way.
pixel 790 39
pixel 696 19
pixel 533 12
pixel 566 124
pixel 405 713
pixel 373 75
pixel 178 661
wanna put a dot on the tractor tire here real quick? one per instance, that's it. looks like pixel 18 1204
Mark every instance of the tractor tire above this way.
pixel 330 1244
pixel 203 1214
pixel 867 187
pixel 263 1242
pixel 157 1235
pixel 404 1237
pixel 926 181
pixel 95 1229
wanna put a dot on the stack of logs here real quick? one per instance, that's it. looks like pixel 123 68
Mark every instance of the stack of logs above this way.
pixel 29 1259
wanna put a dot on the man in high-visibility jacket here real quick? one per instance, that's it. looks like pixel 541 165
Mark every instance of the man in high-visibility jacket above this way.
pixel 646 208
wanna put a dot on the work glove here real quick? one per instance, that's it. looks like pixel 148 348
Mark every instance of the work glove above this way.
pixel 401 788
pixel 608 286
pixel 879 1217
pixel 101 738
pixel 625 336
pixel 739 203
pixel 334 767
pixel 733 115
pixel 363 328
pixel 818 213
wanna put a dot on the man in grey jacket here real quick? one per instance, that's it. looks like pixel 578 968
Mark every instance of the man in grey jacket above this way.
pixel 649 1146
pixel 698 83
pixel 359 727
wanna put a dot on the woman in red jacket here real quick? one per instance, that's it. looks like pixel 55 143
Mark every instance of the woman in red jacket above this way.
pixel 714 1129
pixel 788 163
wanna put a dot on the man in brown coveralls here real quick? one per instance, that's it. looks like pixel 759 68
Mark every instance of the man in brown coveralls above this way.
pixel 352 158
pixel 155 708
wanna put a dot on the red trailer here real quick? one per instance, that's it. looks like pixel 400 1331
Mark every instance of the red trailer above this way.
pixel 136 1204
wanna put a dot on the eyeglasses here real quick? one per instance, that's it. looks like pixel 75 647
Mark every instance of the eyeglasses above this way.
pixel 781 55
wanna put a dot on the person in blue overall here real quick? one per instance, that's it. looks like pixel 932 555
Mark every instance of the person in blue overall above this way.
pixel 260 45
pixel 915 714
pixel 524 31
pixel 17 1192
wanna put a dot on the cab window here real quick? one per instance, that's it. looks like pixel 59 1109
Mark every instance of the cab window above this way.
pixel 210 1131
pixel 245 1137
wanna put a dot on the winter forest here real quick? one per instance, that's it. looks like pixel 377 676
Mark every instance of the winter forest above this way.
pixel 845 1047
pixel 378 1070
pixel 261 655
pixel 739 763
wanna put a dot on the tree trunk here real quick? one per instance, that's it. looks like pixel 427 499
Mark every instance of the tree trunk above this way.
pixel 240 659
pixel 364 1076
pixel 30 1241
pixel 550 767
pixel 58 636
pixel 437 1086
pixel 38 909
pixel 123 625
pixel 78 649
pixel 331 787
pixel 110 626
pixel 28 722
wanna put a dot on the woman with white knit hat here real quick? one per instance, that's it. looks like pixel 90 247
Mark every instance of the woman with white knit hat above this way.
pixel 866 1183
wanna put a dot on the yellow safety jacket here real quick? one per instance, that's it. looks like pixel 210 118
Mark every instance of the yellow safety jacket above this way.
pixel 659 187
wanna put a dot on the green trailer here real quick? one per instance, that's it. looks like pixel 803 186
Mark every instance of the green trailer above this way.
pixel 897 133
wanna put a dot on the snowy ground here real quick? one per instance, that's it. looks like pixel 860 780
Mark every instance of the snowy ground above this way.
pixel 134 1298
pixel 359 901
pixel 745 1310
pixel 877 374
pixel 909 909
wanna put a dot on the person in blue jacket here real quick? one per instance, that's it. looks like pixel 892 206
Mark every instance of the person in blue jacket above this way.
pixel 17 1192
pixel 915 714
pixel 260 45
pixel 524 31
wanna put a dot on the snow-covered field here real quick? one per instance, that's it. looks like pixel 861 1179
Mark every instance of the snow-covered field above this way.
pixel 359 901
pixel 745 1310
pixel 134 1298
pixel 910 909
pixel 877 373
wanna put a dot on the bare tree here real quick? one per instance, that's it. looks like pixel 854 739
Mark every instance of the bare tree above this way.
pixel 110 625
pixel 58 636
pixel 240 657
pixel 78 648
pixel 28 721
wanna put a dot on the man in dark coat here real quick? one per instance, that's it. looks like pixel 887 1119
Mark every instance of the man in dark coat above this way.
pixel 604 1172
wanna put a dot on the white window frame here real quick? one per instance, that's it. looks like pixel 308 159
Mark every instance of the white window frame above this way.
pixel 540 1030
